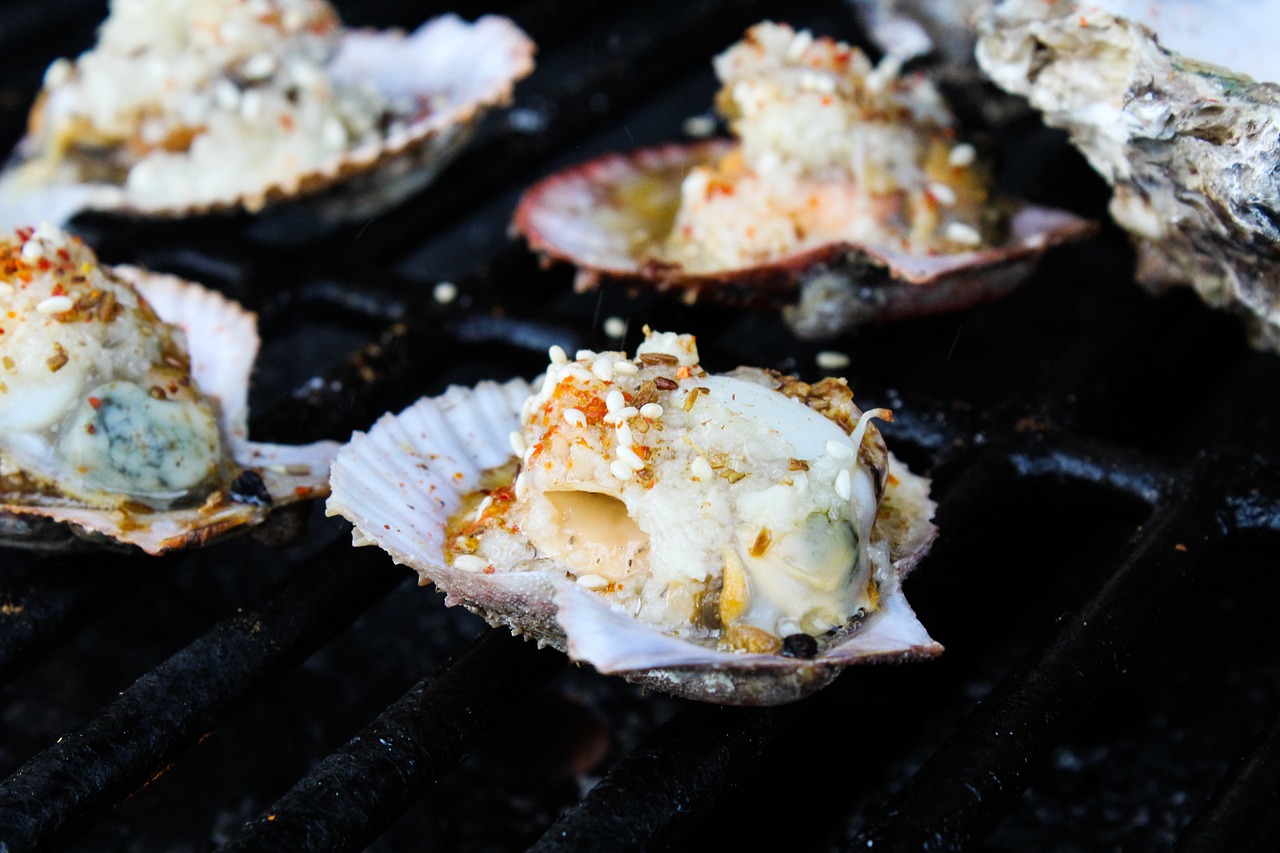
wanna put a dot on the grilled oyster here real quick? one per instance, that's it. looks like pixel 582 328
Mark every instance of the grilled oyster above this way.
pixel 186 107
pixel 735 538
pixel 123 405
pixel 1190 148
pixel 847 185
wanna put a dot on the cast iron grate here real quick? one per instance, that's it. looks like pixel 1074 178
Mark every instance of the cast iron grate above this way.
pixel 1104 464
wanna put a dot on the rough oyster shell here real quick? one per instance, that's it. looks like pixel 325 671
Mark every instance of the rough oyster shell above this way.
pixel 578 216
pixel 222 340
pixel 400 483
pixel 462 69
pixel 1190 148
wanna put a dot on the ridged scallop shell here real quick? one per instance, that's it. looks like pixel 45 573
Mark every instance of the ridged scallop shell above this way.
pixel 575 216
pixel 465 69
pixel 400 483
pixel 222 339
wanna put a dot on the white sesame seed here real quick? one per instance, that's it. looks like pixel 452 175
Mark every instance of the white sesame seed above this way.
pixel 799 44
pixel 625 438
pixel 627 368
pixel 831 360
pixel 944 195
pixel 603 369
pixel 844 484
pixel 260 66
pixel 470 563
pixel 959 232
pixel 516 440
pixel 578 372
pixel 699 127
pixel 574 417
pixel 787 627
pixel 614 402
pixel 620 470
pixel 251 105
pixel 584 355
pixel 557 354
pixel 962 155
pixel 333 134
pixel 59 72
pixel 528 454
pixel 592 581
pixel 32 250
pixel 484 504
pixel 651 411
pixel 701 468
pixel 521 486
pixel 839 450
pixel 226 95
pixel 630 457
pixel 627 413
pixel 615 327
pixel 55 305
pixel 444 292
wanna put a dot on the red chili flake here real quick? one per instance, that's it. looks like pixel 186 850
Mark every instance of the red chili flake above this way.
pixel 286 121
pixel 488 570
pixel 90 428
pixel 595 410
pixel 95 402
pixel 64 254
pixel 684 372
pixel 301 491
pixel 44 264
pixel 1 331
pixel 826 100
pixel 58 290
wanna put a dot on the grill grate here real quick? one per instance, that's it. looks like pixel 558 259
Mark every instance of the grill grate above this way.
pixel 1104 463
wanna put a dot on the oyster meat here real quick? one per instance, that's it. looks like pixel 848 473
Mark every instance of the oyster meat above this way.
pixel 197 105
pixel 847 184
pixel 123 405
pixel 1192 150
pixel 737 538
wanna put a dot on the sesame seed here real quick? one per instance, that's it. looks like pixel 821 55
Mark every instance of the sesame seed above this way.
pixel 944 194
pixel 528 454
pixel 592 581
pixel 32 250
pixel 615 327
pixel 574 417
pixel 630 458
pixel 484 504
pixel 701 468
pixel 627 368
pixel 844 484
pixel 620 470
pixel 627 413
pixel 470 563
pixel 516 440
pixel 260 66
pixel 444 292
pixel 584 355
pixel 55 305
pixel 603 369
pixel 962 155
pixel 625 437
pixel 520 487
pixel 614 402
pixel 651 411
pixel 557 354
pixel 959 232
pixel 578 372
pixel 831 360
pixel 226 95
pixel 839 450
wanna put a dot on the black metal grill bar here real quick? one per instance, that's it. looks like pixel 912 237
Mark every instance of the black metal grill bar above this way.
pixel 676 776
pixel 354 793
pixel 964 789
pixel 54 796
pixel 1244 813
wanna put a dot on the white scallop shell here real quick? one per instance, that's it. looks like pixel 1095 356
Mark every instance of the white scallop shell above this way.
pixel 401 482
pixel 222 339
pixel 463 69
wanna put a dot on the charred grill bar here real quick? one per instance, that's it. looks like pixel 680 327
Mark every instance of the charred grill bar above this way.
pixel 1095 555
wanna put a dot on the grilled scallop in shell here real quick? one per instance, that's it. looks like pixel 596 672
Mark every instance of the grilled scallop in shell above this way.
pixel 200 105
pixel 846 198
pixel 123 406
pixel 735 538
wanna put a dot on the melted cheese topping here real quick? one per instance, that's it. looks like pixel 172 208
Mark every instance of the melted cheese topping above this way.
pixel 718 507
pixel 96 398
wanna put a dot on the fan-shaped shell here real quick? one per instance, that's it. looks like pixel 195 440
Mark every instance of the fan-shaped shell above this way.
pixel 400 483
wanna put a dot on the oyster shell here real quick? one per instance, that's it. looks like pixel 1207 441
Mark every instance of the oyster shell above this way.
pixel 131 430
pixel 847 195
pixel 238 105
pixel 1189 148
pixel 411 485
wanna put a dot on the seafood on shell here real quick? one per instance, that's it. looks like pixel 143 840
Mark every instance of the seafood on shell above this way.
pixel 124 406
pixel 1191 149
pixel 736 538
pixel 203 105
pixel 846 198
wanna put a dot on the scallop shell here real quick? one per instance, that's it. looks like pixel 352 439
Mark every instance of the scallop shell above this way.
pixel 222 339
pixel 575 216
pixel 400 483
pixel 463 69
